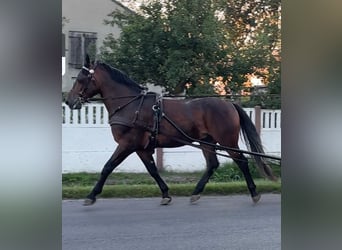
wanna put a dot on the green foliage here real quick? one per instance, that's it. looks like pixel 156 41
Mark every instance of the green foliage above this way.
pixel 230 172
pixel 265 101
pixel 253 31
pixel 169 44
pixel 183 44
pixel 227 172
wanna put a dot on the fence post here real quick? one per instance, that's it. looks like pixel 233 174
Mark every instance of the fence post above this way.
pixel 257 122
pixel 159 155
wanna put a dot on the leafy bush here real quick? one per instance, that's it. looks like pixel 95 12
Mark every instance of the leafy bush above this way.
pixel 231 172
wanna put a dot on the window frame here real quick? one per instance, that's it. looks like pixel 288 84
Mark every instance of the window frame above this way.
pixel 79 43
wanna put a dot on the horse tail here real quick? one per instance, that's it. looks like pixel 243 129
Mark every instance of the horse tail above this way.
pixel 253 142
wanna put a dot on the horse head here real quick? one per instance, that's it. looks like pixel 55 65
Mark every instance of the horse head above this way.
pixel 85 86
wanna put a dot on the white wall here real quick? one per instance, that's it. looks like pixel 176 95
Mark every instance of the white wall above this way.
pixel 88 143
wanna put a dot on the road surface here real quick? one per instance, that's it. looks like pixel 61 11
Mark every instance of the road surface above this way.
pixel 214 223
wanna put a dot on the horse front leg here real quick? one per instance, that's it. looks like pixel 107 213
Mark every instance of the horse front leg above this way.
pixel 150 165
pixel 118 156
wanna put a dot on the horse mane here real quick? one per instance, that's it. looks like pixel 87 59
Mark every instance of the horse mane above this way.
pixel 119 76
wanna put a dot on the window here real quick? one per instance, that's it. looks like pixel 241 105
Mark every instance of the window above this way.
pixel 81 43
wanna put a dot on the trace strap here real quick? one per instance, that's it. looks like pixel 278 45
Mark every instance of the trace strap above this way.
pixel 219 147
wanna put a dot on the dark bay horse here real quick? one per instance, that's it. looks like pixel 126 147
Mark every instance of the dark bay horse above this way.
pixel 141 121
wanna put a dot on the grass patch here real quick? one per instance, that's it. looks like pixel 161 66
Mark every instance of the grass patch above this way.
pixel 146 190
pixel 225 173
pixel 228 179
pixel 89 179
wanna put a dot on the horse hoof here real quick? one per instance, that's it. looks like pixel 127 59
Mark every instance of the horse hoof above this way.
pixel 166 201
pixel 88 202
pixel 194 198
pixel 256 198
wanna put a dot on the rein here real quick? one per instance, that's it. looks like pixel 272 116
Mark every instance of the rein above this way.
pixel 113 98
pixel 217 147
pixel 118 97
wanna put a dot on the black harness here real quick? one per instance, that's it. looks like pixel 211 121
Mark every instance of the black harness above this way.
pixel 116 118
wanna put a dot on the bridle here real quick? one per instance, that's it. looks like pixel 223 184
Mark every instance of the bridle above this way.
pixel 90 71
pixel 90 77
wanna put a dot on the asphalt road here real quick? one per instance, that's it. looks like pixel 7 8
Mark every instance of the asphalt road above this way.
pixel 214 223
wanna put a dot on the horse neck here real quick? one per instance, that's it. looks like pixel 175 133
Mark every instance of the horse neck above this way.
pixel 116 94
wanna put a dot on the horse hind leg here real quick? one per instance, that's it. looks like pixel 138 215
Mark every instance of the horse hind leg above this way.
pixel 150 165
pixel 242 162
pixel 212 164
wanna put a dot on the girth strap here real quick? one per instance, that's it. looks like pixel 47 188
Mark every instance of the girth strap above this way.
pixel 139 108
pixel 157 111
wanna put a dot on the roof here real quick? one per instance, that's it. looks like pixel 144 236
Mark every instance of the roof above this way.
pixel 124 6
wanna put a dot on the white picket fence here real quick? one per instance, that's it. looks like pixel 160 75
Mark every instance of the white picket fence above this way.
pixel 87 142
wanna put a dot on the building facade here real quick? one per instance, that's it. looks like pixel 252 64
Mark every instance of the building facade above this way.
pixel 84 31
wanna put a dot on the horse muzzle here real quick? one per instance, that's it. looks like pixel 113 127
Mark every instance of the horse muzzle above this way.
pixel 75 104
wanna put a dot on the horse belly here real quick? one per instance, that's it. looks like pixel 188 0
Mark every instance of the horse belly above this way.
pixel 131 137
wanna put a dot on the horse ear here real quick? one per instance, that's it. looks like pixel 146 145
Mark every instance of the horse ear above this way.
pixel 87 61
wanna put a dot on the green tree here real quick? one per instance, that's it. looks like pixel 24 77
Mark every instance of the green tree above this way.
pixel 253 31
pixel 182 44
pixel 172 44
